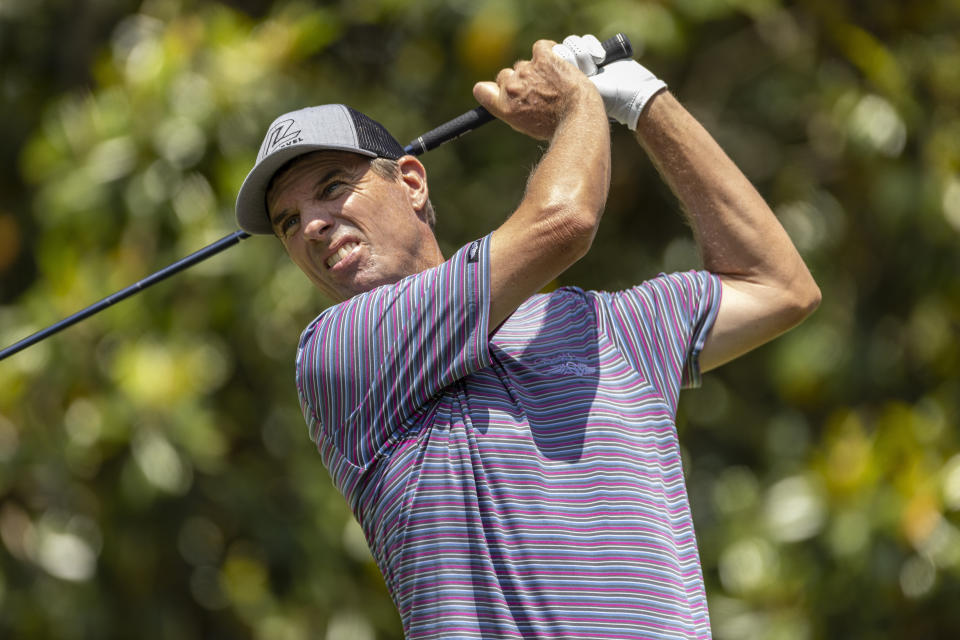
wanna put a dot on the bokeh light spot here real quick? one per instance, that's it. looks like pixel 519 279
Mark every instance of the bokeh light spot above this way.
pixel 83 422
pixel 349 625
pixel 736 489
pixel 794 509
pixel 951 202
pixel 244 576
pixel 951 483
pixel 487 41
pixel 747 565
pixel 65 555
pixel 876 124
pixel 917 577
pixel 160 463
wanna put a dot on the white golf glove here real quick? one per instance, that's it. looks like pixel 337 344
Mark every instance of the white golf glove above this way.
pixel 625 85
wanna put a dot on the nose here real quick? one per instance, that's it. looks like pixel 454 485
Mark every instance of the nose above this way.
pixel 316 224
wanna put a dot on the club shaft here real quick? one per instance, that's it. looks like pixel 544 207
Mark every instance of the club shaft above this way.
pixel 178 266
pixel 618 47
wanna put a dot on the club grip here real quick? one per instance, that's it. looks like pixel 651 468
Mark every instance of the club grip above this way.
pixel 617 47
pixel 449 130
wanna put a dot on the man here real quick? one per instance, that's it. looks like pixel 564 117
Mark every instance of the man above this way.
pixel 512 456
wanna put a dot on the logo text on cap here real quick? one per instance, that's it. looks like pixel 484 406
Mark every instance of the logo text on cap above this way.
pixel 281 135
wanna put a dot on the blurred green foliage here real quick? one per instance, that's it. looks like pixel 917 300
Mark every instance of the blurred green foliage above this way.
pixel 156 479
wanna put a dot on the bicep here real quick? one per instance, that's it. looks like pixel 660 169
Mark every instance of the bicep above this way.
pixel 750 314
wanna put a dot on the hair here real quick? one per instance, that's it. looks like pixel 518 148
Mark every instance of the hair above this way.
pixel 384 167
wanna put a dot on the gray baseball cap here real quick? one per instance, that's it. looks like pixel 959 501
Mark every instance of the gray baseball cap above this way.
pixel 327 127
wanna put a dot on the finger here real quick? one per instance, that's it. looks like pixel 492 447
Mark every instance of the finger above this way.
pixel 564 52
pixel 488 94
pixel 521 67
pixel 581 52
pixel 543 48
pixel 594 47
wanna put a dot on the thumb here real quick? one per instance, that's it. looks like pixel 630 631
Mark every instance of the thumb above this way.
pixel 487 94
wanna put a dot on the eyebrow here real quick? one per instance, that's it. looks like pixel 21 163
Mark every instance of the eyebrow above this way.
pixel 333 173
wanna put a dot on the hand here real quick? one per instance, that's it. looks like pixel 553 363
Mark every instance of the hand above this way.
pixel 535 95
pixel 625 85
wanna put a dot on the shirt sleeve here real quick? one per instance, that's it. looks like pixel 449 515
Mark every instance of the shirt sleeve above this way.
pixel 368 366
pixel 661 326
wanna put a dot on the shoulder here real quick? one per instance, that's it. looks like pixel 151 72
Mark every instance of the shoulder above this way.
pixel 678 287
pixel 342 323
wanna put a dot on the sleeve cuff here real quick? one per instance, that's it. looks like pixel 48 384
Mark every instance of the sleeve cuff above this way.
pixel 707 309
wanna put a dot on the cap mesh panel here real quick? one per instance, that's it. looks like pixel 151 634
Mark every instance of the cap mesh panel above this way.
pixel 374 137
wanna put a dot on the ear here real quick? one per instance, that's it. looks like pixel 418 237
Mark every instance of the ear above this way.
pixel 413 175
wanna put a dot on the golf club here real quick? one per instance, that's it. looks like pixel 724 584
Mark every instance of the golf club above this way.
pixel 617 47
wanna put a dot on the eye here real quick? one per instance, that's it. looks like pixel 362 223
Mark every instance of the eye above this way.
pixel 289 223
pixel 330 188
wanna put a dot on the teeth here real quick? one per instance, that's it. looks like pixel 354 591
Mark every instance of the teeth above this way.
pixel 341 253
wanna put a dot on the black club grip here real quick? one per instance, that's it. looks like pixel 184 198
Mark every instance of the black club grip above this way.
pixel 449 130
pixel 617 47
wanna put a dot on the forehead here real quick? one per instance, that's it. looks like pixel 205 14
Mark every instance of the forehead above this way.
pixel 314 166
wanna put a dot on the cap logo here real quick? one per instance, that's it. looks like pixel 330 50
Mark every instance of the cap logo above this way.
pixel 281 135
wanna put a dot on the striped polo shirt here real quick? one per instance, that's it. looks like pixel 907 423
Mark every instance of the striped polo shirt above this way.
pixel 524 484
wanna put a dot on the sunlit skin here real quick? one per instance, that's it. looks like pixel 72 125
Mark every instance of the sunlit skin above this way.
pixel 327 201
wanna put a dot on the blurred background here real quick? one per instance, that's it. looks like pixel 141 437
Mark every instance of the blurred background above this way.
pixel 156 478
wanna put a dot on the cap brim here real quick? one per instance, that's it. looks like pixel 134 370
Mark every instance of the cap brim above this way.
pixel 251 208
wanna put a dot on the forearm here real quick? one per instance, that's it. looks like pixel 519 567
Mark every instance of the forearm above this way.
pixel 567 191
pixel 557 219
pixel 767 288
pixel 735 230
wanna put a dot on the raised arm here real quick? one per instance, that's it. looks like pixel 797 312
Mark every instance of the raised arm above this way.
pixel 553 227
pixel 767 288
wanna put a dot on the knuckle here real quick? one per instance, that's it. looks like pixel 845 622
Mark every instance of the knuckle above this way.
pixel 543 47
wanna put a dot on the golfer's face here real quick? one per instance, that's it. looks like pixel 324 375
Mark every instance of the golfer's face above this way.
pixel 345 226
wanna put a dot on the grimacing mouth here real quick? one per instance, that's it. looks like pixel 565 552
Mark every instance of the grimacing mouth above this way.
pixel 342 252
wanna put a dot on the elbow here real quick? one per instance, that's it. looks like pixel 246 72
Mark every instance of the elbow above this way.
pixel 573 216
pixel 808 293
pixel 565 225
pixel 804 298
pixel 564 207
pixel 572 230
pixel 813 299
